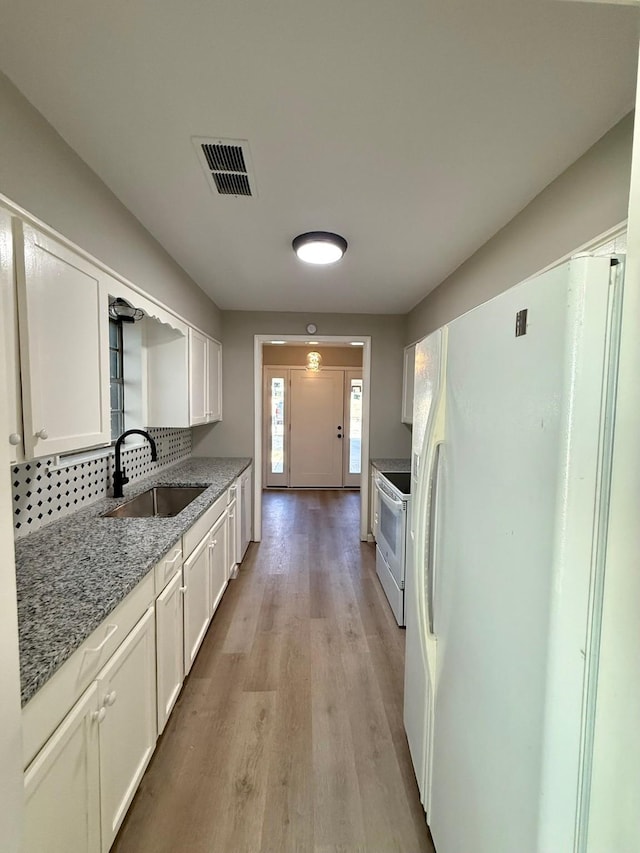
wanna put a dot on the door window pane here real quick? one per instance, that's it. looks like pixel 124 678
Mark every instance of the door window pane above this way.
pixel 355 426
pixel 277 425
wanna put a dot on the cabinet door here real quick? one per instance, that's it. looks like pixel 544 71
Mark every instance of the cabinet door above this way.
pixel 9 320
pixel 62 786
pixel 214 380
pixel 127 692
pixel 218 561
pixel 245 513
pixel 169 647
pixel 231 539
pixel 407 384
pixel 63 323
pixel 197 601
pixel 197 378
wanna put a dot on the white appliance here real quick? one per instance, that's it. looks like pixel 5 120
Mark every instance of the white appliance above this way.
pixel 513 430
pixel 391 543
pixel 420 643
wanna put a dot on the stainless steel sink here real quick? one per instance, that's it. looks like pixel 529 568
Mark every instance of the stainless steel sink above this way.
pixel 159 502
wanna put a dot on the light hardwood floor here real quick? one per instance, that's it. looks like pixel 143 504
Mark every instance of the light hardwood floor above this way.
pixel 288 733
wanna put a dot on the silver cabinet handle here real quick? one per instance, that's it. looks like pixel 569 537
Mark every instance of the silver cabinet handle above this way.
pixel 15 438
pixel 42 433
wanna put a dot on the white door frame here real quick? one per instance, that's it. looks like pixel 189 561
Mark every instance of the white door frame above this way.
pixel 258 341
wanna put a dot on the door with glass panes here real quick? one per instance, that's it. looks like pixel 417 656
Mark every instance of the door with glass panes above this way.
pixel 312 427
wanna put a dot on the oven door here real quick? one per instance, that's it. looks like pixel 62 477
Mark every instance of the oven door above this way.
pixel 391 531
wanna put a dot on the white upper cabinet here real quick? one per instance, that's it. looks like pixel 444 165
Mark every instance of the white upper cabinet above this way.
pixel 214 380
pixel 9 320
pixel 205 373
pixel 407 384
pixel 197 378
pixel 184 373
pixel 63 327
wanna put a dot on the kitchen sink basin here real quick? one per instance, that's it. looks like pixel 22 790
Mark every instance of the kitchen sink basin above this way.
pixel 159 502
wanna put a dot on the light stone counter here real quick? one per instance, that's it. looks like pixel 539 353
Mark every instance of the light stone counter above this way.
pixel 74 572
pixel 400 465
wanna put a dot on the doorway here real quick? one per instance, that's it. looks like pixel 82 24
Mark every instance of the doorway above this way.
pixel 312 427
pixel 276 455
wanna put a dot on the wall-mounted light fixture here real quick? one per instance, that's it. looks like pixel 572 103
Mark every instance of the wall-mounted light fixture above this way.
pixel 319 247
pixel 120 309
pixel 314 361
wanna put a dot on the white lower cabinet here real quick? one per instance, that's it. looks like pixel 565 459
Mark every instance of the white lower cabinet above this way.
pixel 218 561
pixel 197 601
pixel 169 647
pixel 232 536
pixel 243 513
pixel 62 785
pixel 84 775
pixel 80 785
pixel 127 731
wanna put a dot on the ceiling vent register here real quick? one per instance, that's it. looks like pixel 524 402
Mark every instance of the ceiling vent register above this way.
pixel 227 165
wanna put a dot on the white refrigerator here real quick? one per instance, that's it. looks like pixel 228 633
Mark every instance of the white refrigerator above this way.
pixel 513 430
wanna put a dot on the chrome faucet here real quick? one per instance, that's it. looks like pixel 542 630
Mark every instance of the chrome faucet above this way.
pixel 119 478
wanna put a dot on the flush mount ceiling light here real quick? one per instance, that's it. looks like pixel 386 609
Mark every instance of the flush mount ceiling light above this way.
pixel 120 309
pixel 319 247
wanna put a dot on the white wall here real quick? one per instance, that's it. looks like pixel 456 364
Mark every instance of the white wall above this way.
pixel 586 200
pixel 42 174
pixel 234 435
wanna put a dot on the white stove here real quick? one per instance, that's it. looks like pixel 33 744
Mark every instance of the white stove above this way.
pixel 394 493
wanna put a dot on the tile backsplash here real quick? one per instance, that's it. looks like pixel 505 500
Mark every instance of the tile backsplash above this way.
pixel 41 495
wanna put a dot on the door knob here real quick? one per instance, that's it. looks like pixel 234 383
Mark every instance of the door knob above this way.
pixel 110 698
pixel 15 438
pixel 42 433
pixel 98 716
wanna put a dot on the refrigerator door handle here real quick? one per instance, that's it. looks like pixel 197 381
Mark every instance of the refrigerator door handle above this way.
pixel 431 532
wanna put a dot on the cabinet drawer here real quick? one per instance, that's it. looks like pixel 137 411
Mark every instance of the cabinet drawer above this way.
pixel 166 568
pixel 42 714
pixel 203 525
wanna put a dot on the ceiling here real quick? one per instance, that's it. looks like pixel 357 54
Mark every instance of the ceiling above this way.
pixel 414 128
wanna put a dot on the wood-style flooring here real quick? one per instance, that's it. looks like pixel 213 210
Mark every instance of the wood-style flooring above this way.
pixel 288 733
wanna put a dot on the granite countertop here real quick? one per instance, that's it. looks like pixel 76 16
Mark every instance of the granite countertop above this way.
pixel 400 465
pixel 72 573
